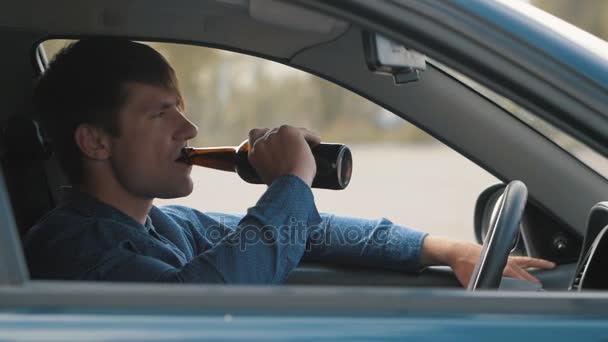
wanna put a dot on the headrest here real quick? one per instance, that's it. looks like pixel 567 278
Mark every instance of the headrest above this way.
pixel 21 139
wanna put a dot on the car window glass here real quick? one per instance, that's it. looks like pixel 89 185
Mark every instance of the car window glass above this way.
pixel 400 172
pixel 576 148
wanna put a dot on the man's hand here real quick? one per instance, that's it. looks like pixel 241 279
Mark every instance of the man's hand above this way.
pixel 462 256
pixel 282 151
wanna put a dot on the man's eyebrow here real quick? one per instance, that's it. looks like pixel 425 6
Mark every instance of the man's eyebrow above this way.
pixel 166 105
pixel 171 104
pixel 180 102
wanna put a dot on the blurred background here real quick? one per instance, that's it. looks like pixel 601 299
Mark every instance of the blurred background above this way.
pixel 400 172
pixel 590 15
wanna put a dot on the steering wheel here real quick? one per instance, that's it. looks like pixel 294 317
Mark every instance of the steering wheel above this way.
pixel 501 235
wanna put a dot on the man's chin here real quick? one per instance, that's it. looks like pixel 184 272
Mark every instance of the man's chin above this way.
pixel 182 190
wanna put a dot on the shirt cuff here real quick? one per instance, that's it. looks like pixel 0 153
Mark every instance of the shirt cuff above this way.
pixel 289 199
pixel 417 239
pixel 401 249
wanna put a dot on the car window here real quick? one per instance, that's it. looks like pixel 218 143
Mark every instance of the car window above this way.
pixel 400 172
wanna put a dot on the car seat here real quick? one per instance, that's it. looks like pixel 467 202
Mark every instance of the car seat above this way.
pixel 31 174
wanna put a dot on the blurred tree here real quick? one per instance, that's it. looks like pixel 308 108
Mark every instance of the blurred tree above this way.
pixel 52 47
pixel 228 93
pixel 590 15
pixel 191 64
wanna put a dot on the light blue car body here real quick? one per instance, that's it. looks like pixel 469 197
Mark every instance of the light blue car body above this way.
pixel 53 326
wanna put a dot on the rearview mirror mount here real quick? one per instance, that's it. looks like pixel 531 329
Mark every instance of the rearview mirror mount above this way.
pixel 386 56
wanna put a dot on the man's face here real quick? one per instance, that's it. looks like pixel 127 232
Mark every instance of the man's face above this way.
pixel 153 130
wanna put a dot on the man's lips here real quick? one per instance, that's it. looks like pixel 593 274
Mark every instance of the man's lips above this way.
pixel 182 158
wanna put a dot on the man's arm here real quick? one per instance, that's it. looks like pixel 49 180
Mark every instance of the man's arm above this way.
pixel 361 242
pixel 380 243
pixel 265 246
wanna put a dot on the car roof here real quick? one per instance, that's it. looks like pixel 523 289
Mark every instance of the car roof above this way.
pixel 216 22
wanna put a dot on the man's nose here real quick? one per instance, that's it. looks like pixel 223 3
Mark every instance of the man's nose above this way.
pixel 187 130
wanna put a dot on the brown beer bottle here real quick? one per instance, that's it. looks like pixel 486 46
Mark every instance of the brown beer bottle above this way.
pixel 334 163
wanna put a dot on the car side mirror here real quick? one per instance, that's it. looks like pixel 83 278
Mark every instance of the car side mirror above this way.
pixel 484 209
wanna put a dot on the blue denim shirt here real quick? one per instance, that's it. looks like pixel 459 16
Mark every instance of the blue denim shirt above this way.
pixel 86 239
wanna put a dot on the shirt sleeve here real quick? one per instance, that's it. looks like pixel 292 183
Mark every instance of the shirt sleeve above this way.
pixel 265 246
pixel 374 243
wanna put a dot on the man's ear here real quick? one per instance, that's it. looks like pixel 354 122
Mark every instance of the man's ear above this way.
pixel 93 141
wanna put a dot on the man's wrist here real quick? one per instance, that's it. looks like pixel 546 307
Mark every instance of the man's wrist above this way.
pixel 438 251
pixel 305 175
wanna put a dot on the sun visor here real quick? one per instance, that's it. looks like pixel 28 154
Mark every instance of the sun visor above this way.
pixel 291 17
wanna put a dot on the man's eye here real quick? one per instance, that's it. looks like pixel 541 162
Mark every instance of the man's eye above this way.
pixel 160 115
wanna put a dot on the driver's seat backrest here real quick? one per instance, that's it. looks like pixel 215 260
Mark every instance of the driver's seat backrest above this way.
pixel 26 161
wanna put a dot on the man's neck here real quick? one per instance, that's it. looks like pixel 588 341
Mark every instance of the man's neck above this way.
pixel 137 208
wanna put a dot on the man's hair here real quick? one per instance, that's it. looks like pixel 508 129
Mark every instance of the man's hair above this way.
pixel 85 84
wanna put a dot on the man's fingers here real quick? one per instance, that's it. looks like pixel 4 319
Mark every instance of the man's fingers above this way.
pixel 258 133
pixel 516 266
pixel 281 151
pixel 526 276
pixel 527 262
pixel 311 137
pixel 515 271
pixel 255 134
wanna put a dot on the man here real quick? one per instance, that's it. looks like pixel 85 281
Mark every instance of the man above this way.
pixel 116 118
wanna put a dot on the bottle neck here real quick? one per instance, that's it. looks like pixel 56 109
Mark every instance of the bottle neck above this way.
pixel 219 158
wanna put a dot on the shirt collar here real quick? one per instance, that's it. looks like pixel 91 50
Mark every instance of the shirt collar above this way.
pixel 88 205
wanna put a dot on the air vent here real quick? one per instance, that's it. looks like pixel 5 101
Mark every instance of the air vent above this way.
pixel 576 283
pixel 592 253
